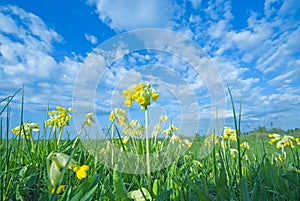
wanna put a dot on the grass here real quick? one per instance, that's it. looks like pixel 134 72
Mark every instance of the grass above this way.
pixel 229 172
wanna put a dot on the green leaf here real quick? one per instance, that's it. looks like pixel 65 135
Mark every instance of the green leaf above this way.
pixel 86 190
pixel 155 187
pixel 200 194
pixel 119 187
pixel 222 188
pixel 245 190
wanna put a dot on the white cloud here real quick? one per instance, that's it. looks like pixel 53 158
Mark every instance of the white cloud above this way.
pixel 92 39
pixel 26 48
pixel 133 14
pixel 195 3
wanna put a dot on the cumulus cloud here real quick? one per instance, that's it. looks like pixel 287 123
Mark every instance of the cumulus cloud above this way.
pixel 26 48
pixel 134 14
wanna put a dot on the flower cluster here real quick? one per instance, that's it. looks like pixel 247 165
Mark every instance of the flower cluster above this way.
pixel 26 129
pixel 59 118
pixel 81 171
pixel 58 162
pixel 283 141
pixel 212 139
pixel 133 128
pixel 141 93
pixel 245 145
pixel 89 120
pixel 229 133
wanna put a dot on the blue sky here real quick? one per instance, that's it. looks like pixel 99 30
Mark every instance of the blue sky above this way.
pixel 254 46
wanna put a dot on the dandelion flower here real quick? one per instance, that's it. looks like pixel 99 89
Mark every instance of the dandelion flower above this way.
pixel 81 171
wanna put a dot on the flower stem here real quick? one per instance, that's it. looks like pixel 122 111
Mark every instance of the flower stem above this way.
pixel 147 149
pixel 59 136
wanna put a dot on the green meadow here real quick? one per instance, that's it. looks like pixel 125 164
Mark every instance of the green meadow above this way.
pixel 260 165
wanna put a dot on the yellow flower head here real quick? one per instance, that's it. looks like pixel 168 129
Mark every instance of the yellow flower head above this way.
pixel 59 118
pixel 141 93
pixel 60 189
pixel 245 145
pixel 26 129
pixel 89 120
pixel 81 171
pixel 297 141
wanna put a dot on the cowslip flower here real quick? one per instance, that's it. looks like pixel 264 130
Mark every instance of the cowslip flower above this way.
pixel 140 93
pixel 119 116
pixel 229 133
pixel 89 120
pixel 245 145
pixel 134 128
pixel 26 129
pixel 59 118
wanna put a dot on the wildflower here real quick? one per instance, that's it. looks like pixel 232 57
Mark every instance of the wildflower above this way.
pixel 279 158
pixel 134 128
pixel 163 119
pixel 26 129
pixel 175 138
pixel 125 139
pixel 245 145
pixel 155 96
pixel 297 141
pixel 229 133
pixel 272 141
pixel 187 143
pixel 119 116
pixel 233 152
pixel 212 139
pixel 89 120
pixel 60 189
pixel 298 171
pixel 59 118
pixel 81 171
pixel 141 93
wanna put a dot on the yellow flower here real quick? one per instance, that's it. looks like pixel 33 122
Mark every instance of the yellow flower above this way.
pixel 298 171
pixel 155 96
pixel 81 171
pixel 297 141
pixel 59 117
pixel 245 145
pixel 89 120
pixel 233 152
pixel 270 135
pixel 128 102
pixel 141 93
pixel 60 189
pixel 141 100
pixel 135 96
pixel 125 139
pixel 26 129
pixel 139 88
pixel 163 118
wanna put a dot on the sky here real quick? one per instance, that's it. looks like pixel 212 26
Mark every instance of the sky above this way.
pixel 83 53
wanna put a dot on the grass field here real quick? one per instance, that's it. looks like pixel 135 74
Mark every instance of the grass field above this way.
pixel 257 166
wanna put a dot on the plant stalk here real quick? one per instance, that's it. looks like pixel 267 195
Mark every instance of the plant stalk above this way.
pixel 147 149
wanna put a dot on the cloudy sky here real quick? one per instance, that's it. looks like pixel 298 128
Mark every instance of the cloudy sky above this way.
pixel 53 47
